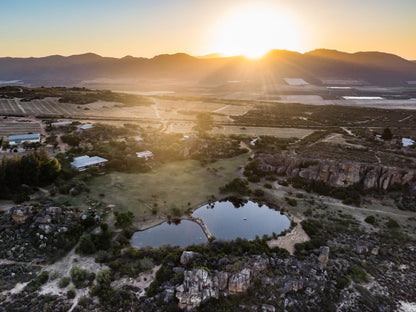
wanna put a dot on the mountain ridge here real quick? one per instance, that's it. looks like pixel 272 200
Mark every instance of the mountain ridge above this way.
pixel 373 67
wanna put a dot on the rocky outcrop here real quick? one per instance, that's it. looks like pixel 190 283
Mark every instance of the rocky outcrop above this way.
pixel 239 282
pixel 188 256
pixel 200 285
pixel 335 173
pixel 324 256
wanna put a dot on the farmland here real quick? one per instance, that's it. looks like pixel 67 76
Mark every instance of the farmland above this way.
pixel 18 126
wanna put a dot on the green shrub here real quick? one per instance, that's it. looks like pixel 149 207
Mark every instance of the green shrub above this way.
pixel 258 193
pixel 358 274
pixel 238 186
pixel 392 224
pixel 123 219
pixel 63 282
pixel 71 294
pixel 291 201
pixel 78 275
pixel 370 220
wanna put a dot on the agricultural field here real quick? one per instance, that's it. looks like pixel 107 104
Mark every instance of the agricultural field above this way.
pixel 18 126
pixel 270 131
pixel 52 107
pixel 184 184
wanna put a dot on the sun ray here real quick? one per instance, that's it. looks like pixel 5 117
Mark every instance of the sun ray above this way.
pixel 253 31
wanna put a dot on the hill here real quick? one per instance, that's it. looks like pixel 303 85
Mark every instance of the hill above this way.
pixel 313 66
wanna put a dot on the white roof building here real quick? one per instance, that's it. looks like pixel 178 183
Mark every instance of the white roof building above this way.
pixel 84 127
pixel 61 123
pixel 20 138
pixel 81 163
pixel 146 154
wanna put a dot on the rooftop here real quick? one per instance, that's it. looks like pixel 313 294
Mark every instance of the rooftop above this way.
pixel 85 161
pixel 85 126
pixel 145 154
pixel 29 136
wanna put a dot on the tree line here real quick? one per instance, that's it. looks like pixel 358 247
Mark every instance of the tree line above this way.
pixel 34 169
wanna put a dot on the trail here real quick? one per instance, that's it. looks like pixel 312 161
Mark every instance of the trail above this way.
pixel 220 109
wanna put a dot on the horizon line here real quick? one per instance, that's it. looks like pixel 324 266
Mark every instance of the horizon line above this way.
pixel 207 55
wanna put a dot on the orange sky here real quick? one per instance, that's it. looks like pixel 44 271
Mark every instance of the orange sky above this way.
pixel 148 28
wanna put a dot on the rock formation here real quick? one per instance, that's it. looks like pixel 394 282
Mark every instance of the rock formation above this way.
pixel 335 173
pixel 200 285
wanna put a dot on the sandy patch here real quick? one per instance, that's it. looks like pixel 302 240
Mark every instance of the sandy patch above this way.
pixel 288 242
pixel 142 282
pixel 62 268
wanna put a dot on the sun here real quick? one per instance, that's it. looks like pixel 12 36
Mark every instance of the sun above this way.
pixel 253 31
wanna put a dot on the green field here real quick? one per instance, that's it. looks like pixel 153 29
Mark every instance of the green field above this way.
pixel 172 185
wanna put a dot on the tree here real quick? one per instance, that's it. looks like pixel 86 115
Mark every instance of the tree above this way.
pixel 29 169
pixel 86 245
pixel 49 171
pixel 204 122
pixel 123 219
pixel 387 135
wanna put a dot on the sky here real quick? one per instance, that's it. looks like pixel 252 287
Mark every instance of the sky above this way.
pixel 150 27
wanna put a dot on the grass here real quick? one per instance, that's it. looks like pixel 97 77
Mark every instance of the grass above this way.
pixel 178 185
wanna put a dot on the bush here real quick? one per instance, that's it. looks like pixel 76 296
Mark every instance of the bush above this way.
pixel 311 226
pixel 291 201
pixel 71 294
pixel 63 282
pixel 146 264
pixel 258 193
pixel 78 275
pixel 370 220
pixel 392 224
pixel 123 219
pixel 268 185
pixel 358 274
pixel 238 186
pixel 86 245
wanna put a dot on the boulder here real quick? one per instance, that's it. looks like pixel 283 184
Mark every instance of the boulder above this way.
pixel 267 308
pixel 324 256
pixel 188 256
pixel 239 282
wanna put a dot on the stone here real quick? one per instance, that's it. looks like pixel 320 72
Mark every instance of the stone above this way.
pixel 188 256
pixel 324 256
pixel 19 217
pixel 335 173
pixel 267 308
pixel 239 282
pixel 178 270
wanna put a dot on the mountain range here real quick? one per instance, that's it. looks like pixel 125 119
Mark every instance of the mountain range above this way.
pixel 372 67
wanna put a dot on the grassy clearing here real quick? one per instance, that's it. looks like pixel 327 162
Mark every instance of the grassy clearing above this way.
pixel 169 186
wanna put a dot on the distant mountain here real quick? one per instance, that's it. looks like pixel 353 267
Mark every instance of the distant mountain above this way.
pixel 211 55
pixel 313 66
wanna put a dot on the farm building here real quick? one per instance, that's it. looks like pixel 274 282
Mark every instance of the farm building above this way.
pixel 146 154
pixel 81 163
pixel 61 123
pixel 20 138
pixel 84 127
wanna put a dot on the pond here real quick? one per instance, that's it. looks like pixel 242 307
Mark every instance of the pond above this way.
pixel 227 221
pixel 184 234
